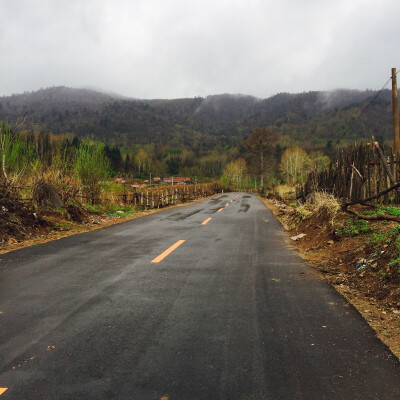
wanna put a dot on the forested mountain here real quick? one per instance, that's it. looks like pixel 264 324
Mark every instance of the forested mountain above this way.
pixel 313 118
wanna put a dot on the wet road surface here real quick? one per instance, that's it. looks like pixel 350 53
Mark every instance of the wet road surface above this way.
pixel 206 301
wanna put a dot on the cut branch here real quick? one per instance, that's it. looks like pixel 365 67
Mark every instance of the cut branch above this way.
pixel 364 201
pixel 379 217
pixel 379 151
pixel 358 172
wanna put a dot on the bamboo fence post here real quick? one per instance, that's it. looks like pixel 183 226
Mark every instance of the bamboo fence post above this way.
pixel 369 173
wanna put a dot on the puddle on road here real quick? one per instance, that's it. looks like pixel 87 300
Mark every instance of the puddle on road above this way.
pixel 211 210
pixel 217 199
pixel 244 208
pixel 180 216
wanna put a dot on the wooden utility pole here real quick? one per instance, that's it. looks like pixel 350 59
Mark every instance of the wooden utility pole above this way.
pixel 396 138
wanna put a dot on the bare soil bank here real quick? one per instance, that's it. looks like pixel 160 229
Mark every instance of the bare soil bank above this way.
pixel 21 226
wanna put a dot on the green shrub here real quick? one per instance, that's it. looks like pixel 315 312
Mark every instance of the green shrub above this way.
pixel 92 167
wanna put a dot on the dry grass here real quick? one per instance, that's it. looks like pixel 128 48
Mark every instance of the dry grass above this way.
pixel 323 201
pixel 285 192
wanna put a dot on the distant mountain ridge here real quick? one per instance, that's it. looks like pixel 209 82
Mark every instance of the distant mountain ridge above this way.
pixel 59 94
pixel 216 119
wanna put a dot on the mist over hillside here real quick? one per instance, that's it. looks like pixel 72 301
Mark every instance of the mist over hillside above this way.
pixel 217 119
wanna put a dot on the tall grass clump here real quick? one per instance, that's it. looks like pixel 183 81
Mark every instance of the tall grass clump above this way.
pixel 323 201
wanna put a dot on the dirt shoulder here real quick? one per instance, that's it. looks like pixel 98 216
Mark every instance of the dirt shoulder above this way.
pixel 357 264
pixel 24 227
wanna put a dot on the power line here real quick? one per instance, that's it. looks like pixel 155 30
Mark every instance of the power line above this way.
pixel 376 96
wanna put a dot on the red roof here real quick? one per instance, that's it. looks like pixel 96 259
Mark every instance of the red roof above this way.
pixel 176 179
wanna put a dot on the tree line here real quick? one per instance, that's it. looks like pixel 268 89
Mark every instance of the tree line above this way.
pixel 262 158
pixel 317 120
pixel 26 155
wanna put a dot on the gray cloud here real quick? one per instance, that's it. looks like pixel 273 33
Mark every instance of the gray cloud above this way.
pixel 177 48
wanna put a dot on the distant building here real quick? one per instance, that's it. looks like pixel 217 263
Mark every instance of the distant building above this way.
pixel 138 185
pixel 178 180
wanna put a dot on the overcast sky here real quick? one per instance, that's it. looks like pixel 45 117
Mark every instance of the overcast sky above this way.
pixel 185 48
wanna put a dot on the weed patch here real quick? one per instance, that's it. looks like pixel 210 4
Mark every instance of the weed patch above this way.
pixel 382 210
pixel 353 227
pixel 111 210
pixel 378 238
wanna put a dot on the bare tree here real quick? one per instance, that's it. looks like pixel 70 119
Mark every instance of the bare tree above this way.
pixel 141 160
pixel 294 163
pixel 6 138
pixel 259 145
pixel 318 161
pixel 235 171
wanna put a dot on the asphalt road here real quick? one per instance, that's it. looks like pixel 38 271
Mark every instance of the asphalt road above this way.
pixel 230 313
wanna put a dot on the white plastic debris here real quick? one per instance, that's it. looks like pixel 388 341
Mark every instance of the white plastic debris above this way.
pixel 299 236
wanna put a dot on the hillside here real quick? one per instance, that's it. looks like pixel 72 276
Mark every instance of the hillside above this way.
pixel 314 117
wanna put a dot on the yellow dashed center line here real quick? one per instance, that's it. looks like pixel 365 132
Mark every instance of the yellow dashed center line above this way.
pixel 168 251
pixel 157 260
pixel 179 242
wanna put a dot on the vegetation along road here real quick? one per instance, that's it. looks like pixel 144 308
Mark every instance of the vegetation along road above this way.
pixel 206 301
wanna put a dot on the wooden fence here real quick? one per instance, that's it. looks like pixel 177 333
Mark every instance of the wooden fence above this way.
pixel 157 197
pixel 152 197
pixel 361 173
